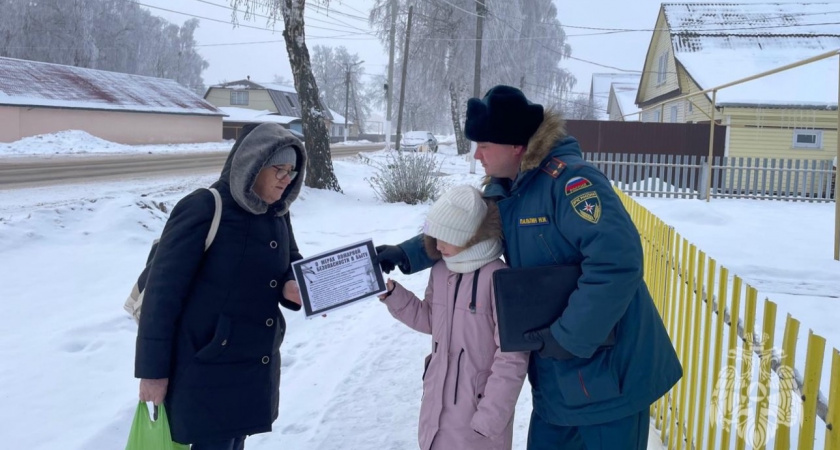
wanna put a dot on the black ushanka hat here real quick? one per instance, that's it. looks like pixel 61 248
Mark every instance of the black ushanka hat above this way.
pixel 503 116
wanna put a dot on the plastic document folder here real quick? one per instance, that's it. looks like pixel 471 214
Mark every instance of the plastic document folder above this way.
pixel 530 298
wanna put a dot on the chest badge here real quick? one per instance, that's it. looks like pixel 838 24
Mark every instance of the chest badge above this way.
pixel 588 206
pixel 577 184
pixel 533 221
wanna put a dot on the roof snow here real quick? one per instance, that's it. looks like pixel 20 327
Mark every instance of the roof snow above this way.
pixel 32 83
pixel 718 43
pixel 599 91
pixel 235 114
pixel 625 95
pixel 338 119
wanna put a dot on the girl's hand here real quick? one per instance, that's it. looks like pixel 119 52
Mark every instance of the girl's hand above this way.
pixel 389 285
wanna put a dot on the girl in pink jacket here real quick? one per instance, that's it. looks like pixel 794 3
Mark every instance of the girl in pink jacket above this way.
pixel 470 387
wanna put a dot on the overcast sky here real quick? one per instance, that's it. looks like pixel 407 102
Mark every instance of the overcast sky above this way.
pixel 347 20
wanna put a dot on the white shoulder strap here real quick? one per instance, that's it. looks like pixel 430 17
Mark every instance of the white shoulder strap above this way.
pixel 217 217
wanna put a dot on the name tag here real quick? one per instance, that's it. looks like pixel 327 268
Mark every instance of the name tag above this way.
pixel 533 221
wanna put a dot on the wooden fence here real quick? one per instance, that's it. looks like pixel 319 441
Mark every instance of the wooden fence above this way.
pixel 739 390
pixel 684 176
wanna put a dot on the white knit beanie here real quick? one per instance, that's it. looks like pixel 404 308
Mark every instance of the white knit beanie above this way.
pixel 455 217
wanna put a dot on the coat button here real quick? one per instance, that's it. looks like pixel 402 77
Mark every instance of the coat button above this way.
pixel 273 284
pixel 269 322
pixel 224 342
pixel 265 359
pixel 273 244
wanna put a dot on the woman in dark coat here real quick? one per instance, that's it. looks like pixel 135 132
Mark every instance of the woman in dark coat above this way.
pixel 208 344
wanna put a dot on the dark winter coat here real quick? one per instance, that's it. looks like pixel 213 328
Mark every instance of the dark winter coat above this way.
pixel 559 210
pixel 210 321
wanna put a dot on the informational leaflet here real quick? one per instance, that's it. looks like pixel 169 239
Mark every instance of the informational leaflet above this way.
pixel 338 277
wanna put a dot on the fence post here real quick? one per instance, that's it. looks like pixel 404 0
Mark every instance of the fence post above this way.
pixel 704 186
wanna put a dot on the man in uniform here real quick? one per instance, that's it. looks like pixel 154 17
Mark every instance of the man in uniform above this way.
pixel 557 208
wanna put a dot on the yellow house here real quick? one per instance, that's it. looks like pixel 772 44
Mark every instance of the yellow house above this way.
pixel 698 46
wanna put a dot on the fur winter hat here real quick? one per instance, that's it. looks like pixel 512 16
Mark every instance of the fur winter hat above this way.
pixel 455 217
pixel 503 116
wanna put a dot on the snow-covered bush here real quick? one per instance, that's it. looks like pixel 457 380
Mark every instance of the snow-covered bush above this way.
pixel 406 177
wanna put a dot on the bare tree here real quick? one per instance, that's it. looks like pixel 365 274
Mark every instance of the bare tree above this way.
pixel 115 35
pixel 523 45
pixel 579 107
pixel 330 66
pixel 319 170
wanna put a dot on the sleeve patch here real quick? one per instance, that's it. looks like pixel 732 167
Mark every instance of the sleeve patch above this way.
pixel 588 206
pixel 577 184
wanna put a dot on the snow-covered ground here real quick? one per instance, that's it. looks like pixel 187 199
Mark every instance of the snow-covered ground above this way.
pixel 77 142
pixel 351 380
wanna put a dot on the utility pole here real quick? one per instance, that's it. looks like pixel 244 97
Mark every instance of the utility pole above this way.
pixel 479 32
pixel 404 75
pixel 480 10
pixel 388 87
pixel 347 98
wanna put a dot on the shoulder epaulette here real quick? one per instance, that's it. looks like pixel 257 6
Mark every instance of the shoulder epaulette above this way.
pixel 554 167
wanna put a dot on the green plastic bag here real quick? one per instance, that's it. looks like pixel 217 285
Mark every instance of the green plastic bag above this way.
pixel 148 435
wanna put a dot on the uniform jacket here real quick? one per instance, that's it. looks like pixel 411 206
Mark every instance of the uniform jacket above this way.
pixel 561 209
pixel 211 322
pixel 469 385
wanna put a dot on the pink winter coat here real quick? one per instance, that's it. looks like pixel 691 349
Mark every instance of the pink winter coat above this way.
pixel 469 385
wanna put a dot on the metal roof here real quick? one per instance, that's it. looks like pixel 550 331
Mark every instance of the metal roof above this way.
pixel 33 83
pixel 285 98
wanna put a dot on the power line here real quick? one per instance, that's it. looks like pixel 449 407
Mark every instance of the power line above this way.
pixel 342 36
pixel 562 54
pixel 202 17
pixel 229 8
pixel 460 9
pixel 342 13
pixel 746 21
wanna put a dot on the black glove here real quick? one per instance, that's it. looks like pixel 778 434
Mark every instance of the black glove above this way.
pixel 391 256
pixel 550 347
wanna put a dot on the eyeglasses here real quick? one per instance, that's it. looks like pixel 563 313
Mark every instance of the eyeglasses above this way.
pixel 281 173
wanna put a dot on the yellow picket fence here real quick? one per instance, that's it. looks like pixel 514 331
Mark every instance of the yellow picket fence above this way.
pixel 738 390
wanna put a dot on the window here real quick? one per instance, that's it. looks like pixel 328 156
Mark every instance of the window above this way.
pixel 689 106
pixel 238 97
pixel 661 73
pixel 291 103
pixel 657 116
pixel 674 113
pixel 807 138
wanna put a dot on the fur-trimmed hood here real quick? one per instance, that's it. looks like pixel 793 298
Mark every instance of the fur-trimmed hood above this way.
pixel 490 228
pixel 550 131
pixel 248 157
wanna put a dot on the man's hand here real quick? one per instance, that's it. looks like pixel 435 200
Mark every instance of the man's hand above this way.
pixel 153 390
pixel 550 347
pixel 291 291
pixel 389 257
